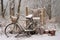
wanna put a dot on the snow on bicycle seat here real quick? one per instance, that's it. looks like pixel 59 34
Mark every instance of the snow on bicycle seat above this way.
pixel 29 16
pixel 36 18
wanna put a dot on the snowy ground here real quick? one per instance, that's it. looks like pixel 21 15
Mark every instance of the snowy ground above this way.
pixel 33 37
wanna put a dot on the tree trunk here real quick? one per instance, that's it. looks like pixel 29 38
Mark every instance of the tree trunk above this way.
pixel 12 5
pixel 49 9
pixel 2 10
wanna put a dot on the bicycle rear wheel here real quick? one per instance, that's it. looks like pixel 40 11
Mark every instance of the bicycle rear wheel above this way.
pixel 12 30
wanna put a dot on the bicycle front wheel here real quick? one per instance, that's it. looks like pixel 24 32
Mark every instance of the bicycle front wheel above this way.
pixel 12 30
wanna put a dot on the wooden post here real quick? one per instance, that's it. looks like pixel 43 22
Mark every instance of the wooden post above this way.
pixel 26 11
pixel 42 16
pixel 26 15
pixel 42 20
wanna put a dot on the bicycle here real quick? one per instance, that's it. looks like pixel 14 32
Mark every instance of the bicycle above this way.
pixel 10 27
pixel 14 25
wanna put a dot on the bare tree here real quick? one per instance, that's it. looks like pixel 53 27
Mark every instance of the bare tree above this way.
pixel 2 11
pixel 19 9
pixel 49 9
pixel 12 5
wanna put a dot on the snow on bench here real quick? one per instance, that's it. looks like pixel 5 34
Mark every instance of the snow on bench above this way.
pixel 36 18
pixel 29 30
pixel 29 16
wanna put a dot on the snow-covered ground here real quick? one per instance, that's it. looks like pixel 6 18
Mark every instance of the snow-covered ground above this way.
pixel 33 37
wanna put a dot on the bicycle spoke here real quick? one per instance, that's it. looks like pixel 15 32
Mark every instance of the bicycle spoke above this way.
pixel 11 30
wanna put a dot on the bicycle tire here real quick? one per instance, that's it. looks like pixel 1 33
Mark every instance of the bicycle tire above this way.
pixel 9 26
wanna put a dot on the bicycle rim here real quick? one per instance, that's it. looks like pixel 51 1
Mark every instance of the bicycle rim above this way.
pixel 11 30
